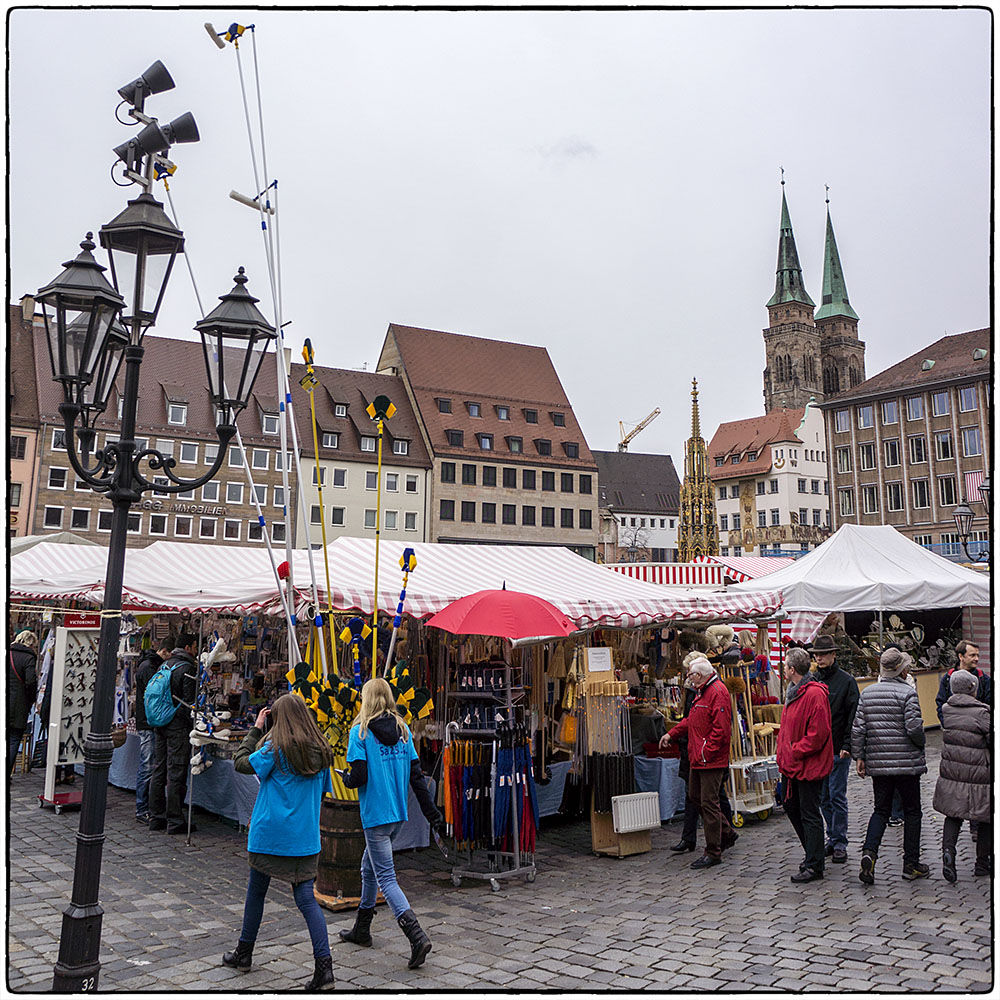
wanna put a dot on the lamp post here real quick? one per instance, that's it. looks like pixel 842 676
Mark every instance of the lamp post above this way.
pixel 964 517
pixel 87 345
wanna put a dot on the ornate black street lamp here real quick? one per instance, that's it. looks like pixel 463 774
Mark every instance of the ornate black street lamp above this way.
pixel 964 517
pixel 87 345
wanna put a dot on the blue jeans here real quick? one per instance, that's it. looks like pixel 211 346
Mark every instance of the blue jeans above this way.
pixel 253 911
pixel 147 741
pixel 833 802
pixel 378 870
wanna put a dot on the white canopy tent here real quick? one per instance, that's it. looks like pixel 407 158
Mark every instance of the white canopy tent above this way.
pixel 193 577
pixel 873 568
pixel 24 542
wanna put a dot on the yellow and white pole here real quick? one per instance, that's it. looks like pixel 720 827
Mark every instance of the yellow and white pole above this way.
pixel 380 409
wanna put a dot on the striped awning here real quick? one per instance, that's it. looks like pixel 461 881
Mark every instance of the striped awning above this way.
pixel 743 568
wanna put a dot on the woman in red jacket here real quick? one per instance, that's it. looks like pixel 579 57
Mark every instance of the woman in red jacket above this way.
pixel 708 727
pixel 805 758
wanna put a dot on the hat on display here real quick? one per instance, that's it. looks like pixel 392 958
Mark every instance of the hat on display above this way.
pixel 824 644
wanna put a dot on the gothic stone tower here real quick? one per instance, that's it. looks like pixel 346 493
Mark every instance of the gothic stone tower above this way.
pixel 792 343
pixel 698 530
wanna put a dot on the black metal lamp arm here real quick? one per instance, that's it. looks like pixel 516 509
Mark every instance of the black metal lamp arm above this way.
pixel 158 461
pixel 101 477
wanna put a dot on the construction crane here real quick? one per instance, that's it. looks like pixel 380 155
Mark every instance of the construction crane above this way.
pixel 645 422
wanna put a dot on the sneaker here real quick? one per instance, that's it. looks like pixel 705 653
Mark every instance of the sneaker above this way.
pixel 839 855
pixel 867 873
pixel 142 818
pixel 915 871
pixel 895 822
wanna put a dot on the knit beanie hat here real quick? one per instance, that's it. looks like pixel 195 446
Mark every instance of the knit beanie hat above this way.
pixel 893 662
pixel 964 682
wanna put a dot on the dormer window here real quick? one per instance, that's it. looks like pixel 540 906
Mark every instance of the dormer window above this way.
pixel 530 416
pixel 572 449
pixel 735 460
pixel 474 409
pixel 720 461
pixel 177 401
pixel 543 446
pixel 269 423
pixel 503 413
pixel 751 456
pixel 486 442
pixel 400 446
pixel 444 405
pixel 559 419
pixel 367 442
pixel 515 445
pixel 331 440
pixel 455 438
pixel 340 410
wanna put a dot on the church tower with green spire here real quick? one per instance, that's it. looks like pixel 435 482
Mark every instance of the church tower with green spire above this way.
pixel 843 353
pixel 792 343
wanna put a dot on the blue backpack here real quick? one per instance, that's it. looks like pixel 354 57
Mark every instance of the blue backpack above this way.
pixel 158 699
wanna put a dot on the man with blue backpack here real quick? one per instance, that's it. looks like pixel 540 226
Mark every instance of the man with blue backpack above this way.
pixel 168 699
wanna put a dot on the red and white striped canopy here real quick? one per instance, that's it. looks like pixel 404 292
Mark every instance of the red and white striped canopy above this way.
pixel 743 568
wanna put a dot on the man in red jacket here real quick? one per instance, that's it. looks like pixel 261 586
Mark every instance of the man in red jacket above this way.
pixel 805 758
pixel 708 728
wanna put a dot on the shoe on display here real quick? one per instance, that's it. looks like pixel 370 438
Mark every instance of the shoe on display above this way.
pixel 807 875
pixel 706 861
pixel 839 855
pixel 948 866
pixel 915 871
pixel 867 873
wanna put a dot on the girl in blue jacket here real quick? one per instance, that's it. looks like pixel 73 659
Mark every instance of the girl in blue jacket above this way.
pixel 293 767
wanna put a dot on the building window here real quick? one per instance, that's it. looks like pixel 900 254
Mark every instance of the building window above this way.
pixel 724 551
pixel 508 514
pixel 803 515
pixel 890 449
pixel 211 453
pixel 189 453
pixel 14 495
pixel 586 519
pixel 842 421
pixel 157 524
pixel 914 407
pixel 527 515
pixel 946 491
pixel 543 446
pixel 503 413
pixel 278 532
pixel 259 458
pixel 927 541
pixel 59 440
pixel 515 445
pixel 846 500
pixel 455 438
pixel 447 510
pixel 966 398
pixel 210 492
pixel 527 479
pixel 485 442
pixel 869 499
pixel 843 461
pixel 278 497
pixel 585 485
pixel 751 456
pixel 737 551
pixel 566 517
pixel 722 492
pixel 548 482
pixel 371 518
pixel 269 423
pixel 468 510
pixel 57 479
pixel 400 446
pixel 890 412
pixel 410 521
pixel 337 516
pixel 340 410
pixel 134 523
pixel 548 517
pixel 817 519
pixel 371 479
pixel 720 461
pixel 447 472
pixel 319 476
pixel 234 493
pixel 411 484
pixel 231 529
pixel 474 409
pixel 444 405
pixel 939 404
pixel 340 478
pixel 315 517
pixel 762 519
pixel 391 520
pixel 951 543
pixel 971 442
pixel 867 453
pixel 177 414
pixel 236 457
pixel 260 493
pixel 489 515
pixel 530 416
pixel 392 482
pixel 918 449
pixel 255 531
pixel 723 522
pixel 775 517
pixel 866 415
pixel 330 440
pixel 206 527
pixel 182 526
pixel 489 475
pixel 921 494
pixel 17 446
pixel 185 495
pixel 735 460
pixel 558 419
pixel 468 475
pixel 772 486
pixel 760 487
pixel 736 522
pixel 572 449
pixel 944 447
pixel 566 482
pixel 79 518
pixel 802 486
pixel 894 496
pixel 367 442
pixel 104 518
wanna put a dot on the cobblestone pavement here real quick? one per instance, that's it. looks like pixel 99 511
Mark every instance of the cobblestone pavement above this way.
pixel 644 922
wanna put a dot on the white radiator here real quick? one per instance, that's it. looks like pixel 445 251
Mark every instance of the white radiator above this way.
pixel 639 811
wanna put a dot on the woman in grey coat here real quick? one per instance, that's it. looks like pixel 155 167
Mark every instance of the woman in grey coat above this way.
pixel 888 743
pixel 963 786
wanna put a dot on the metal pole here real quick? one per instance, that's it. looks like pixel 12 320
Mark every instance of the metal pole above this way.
pixel 197 697
pixel 378 529
pixel 78 967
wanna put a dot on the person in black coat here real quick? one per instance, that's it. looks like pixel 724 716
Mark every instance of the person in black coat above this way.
pixel 968 659
pixel 22 686
pixel 150 661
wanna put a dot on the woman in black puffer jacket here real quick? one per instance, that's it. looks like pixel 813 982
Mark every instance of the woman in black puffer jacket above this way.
pixel 964 786
pixel 22 685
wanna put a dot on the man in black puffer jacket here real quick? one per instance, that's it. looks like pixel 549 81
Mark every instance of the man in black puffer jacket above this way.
pixel 148 664
pixel 844 696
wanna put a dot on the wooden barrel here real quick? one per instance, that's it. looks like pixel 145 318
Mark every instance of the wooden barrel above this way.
pixel 342 842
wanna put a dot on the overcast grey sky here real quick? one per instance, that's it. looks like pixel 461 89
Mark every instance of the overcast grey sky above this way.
pixel 604 184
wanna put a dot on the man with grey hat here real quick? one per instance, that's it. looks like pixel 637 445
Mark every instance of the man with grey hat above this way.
pixel 888 743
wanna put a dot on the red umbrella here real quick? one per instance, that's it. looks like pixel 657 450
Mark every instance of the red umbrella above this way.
pixel 505 613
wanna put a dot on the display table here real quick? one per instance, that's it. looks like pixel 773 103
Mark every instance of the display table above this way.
pixel 222 790
pixel 550 795
pixel 661 774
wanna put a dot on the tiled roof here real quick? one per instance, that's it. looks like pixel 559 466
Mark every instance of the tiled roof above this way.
pixel 632 481
pixel 21 359
pixel 952 357
pixel 737 437
pixel 492 373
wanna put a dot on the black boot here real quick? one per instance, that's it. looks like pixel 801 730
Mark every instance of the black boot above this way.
pixel 360 933
pixel 323 976
pixel 420 943
pixel 239 959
